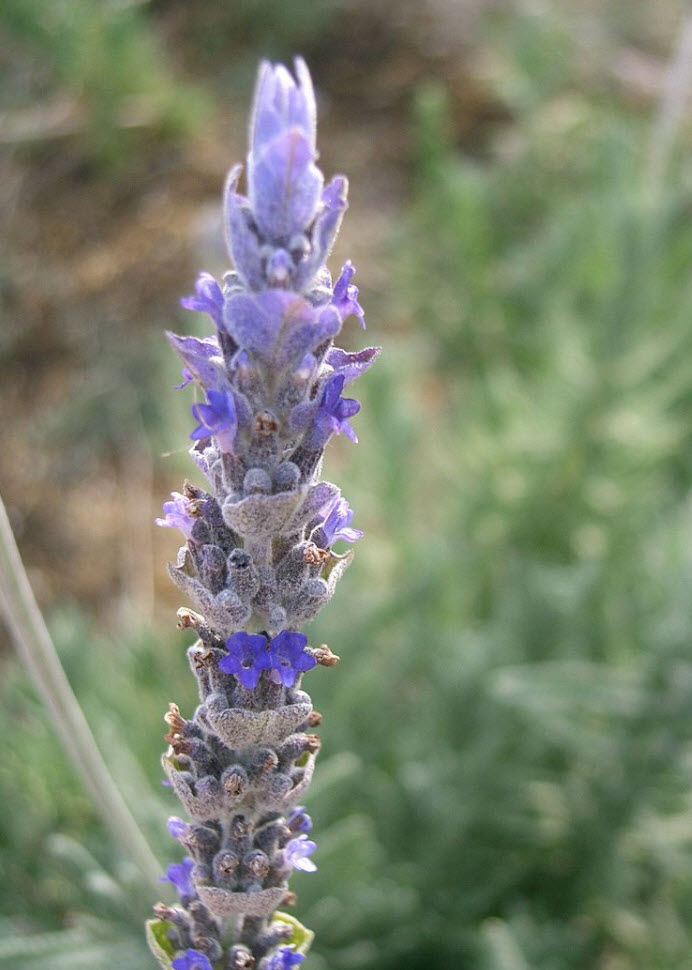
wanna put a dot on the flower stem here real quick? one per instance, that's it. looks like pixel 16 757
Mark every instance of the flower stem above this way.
pixel 37 652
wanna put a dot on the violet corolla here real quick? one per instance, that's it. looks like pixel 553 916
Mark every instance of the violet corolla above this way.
pixel 257 562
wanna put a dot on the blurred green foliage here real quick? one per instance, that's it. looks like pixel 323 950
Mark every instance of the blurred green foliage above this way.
pixel 251 27
pixel 107 56
pixel 506 773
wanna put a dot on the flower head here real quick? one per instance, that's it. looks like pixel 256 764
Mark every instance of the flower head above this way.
pixel 337 525
pixel 271 394
pixel 297 851
pixel 177 515
pixel 217 417
pixel 191 960
pixel 208 298
pixel 247 657
pixel 284 959
pixel 180 874
pixel 288 657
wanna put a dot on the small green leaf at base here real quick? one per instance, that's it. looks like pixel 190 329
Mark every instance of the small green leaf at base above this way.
pixel 301 937
pixel 159 942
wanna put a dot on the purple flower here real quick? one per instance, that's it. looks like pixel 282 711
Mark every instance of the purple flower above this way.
pixel 180 874
pixel 288 657
pixel 284 184
pixel 337 525
pixel 177 827
pixel 247 657
pixel 177 514
pixel 217 417
pixel 191 960
pixel 345 297
pixel 284 959
pixel 297 851
pixel 333 413
pixel 298 820
pixel 208 298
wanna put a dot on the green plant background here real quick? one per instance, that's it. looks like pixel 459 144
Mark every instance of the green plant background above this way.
pixel 506 774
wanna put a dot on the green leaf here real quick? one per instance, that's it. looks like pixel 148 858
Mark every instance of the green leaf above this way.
pixel 301 937
pixel 159 943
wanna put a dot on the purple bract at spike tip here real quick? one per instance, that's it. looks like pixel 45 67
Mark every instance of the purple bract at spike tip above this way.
pixel 257 563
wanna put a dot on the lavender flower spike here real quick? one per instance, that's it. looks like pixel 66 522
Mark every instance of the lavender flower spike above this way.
pixel 257 561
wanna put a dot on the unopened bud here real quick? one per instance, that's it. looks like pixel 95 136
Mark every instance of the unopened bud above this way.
pixel 257 863
pixel 265 423
pixel 324 656
pixel 234 780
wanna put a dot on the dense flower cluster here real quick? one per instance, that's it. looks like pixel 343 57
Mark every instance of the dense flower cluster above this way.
pixel 258 559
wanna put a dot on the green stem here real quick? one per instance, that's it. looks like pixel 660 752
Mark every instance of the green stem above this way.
pixel 38 653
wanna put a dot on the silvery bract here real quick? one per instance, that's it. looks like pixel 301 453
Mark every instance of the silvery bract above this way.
pixel 258 560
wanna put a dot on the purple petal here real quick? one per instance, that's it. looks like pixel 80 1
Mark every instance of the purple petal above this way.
pixel 193 960
pixel 298 819
pixel 351 365
pixel 180 874
pixel 345 297
pixel 288 643
pixel 218 418
pixel 286 958
pixel 247 657
pixel 348 406
pixel 332 389
pixel 208 298
pixel 177 515
pixel 297 851
pixel 304 662
pixel 346 429
pixel 177 827
pixel 249 678
pixel 348 534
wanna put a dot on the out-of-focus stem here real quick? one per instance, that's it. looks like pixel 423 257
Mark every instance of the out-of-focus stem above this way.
pixel 674 100
pixel 37 652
